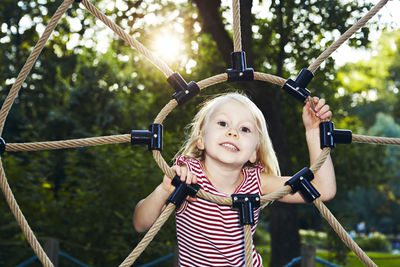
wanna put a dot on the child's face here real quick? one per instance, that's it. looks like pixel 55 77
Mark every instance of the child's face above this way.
pixel 230 136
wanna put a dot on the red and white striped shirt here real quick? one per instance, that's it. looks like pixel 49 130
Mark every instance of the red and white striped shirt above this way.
pixel 210 234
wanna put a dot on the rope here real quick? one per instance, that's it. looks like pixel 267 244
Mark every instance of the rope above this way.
pixel 346 35
pixel 214 198
pixel 265 200
pixel 30 61
pixel 51 145
pixel 269 78
pixel 248 245
pixel 149 236
pixel 131 41
pixel 320 160
pixel 223 77
pixel 343 234
pixel 375 140
pixel 237 39
pixel 30 236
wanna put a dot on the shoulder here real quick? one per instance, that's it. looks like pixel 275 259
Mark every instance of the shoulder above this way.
pixel 194 165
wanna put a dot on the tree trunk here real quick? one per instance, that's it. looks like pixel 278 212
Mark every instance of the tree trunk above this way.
pixel 285 241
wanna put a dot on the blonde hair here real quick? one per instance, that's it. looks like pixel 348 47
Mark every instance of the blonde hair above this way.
pixel 265 152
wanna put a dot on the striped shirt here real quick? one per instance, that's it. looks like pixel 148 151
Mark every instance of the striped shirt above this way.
pixel 210 234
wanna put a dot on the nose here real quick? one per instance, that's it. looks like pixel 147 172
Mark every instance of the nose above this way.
pixel 232 132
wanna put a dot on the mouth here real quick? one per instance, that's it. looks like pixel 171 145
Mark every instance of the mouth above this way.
pixel 230 146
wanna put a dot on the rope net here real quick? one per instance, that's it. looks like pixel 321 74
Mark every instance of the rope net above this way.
pixel 123 138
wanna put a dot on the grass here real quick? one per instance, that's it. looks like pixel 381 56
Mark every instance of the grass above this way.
pixel 381 259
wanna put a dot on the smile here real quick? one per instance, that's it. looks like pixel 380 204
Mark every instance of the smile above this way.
pixel 230 146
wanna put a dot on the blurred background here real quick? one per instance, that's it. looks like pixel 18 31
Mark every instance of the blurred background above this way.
pixel 88 82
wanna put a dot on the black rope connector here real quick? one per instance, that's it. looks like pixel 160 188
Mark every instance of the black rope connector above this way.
pixel 182 190
pixel 297 88
pixel 78 1
pixel 152 137
pixel 301 182
pixel 184 91
pixel 239 70
pixel 2 146
pixel 329 136
pixel 246 203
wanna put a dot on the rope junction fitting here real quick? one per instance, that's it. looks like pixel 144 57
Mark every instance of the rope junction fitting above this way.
pixel 152 138
pixel 246 203
pixel 297 88
pixel 183 93
pixel 239 70
pixel 182 191
pixel 301 182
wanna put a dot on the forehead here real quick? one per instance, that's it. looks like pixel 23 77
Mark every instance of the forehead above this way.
pixel 235 109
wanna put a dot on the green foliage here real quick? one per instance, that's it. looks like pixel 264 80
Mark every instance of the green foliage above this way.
pixel 317 239
pixel 373 242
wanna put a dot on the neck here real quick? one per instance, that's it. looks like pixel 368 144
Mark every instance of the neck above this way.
pixel 224 177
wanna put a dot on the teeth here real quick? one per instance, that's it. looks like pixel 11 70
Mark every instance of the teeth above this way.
pixel 230 146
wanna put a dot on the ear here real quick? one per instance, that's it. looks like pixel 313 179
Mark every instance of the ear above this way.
pixel 253 157
pixel 200 143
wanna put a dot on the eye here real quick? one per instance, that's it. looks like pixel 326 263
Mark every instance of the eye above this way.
pixel 222 123
pixel 245 129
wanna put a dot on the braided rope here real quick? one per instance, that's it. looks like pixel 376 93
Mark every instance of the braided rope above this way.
pixel 237 38
pixel 346 35
pixel 259 76
pixel 375 140
pixel 19 216
pixel 149 236
pixel 83 142
pixel 320 160
pixel 130 40
pixel 342 233
pixel 223 77
pixel 30 61
pixel 248 245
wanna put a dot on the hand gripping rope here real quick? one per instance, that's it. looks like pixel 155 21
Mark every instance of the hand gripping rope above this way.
pixel 153 137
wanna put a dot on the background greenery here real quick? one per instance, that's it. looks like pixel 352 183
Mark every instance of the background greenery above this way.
pixel 85 84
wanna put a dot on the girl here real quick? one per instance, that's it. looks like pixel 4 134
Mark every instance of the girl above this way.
pixel 229 152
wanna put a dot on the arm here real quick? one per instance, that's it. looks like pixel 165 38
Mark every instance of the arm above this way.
pixel 149 209
pixel 324 179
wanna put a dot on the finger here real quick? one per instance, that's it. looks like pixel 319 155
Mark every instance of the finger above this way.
pixel 326 116
pixel 189 178
pixel 320 104
pixel 177 170
pixel 192 199
pixel 183 174
pixel 323 110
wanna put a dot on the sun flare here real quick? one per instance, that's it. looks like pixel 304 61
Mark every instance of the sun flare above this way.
pixel 168 47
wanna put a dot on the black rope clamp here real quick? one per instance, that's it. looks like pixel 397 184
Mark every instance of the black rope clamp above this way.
pixel 182 190
pixel 329 136
pixel 2 146
pixel 152 137
pixel 184 91
pixel 246 203
pixel 239 71
pixel 297 88
pixel 301 182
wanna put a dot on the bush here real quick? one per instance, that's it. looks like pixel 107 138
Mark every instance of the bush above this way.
pixel 316 239
pixel 374 242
